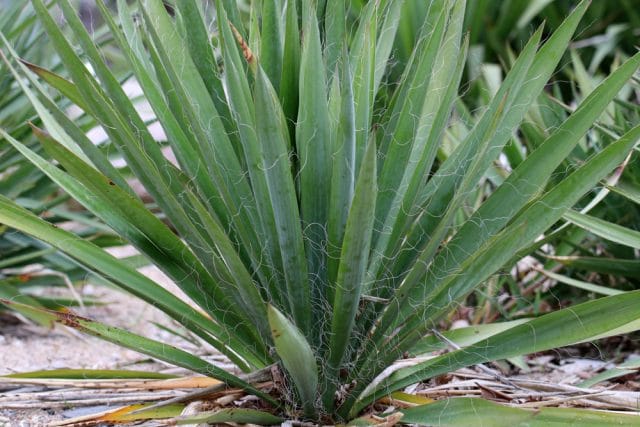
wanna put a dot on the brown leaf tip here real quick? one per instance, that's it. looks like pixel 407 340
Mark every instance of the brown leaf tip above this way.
pixel 246 51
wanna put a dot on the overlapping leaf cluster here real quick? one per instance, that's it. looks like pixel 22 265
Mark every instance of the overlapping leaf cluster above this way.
pixel 27 265
pixel 308 211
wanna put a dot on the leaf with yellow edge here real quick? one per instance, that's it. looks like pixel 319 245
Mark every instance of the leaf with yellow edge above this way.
pixel 92 374
pixel 126 414
pixel 414 399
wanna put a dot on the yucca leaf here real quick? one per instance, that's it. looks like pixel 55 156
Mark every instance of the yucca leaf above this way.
pixel 437 193
pixel 137 413
pixel 343 178
pixel 59 125
pixel 613 266
pixel 213 233
pixel 426 304
pixel 424 258
pixel 133 221
pixel 462 337
pixel 123 125
pixel 416 144
pixel 240 102
pixel 625 368
pixel 313 145
pixel 530 177
pixel 610 231
pixel 271 41
pixel 353 262
pixel 230 415
pixel 158 350
pixel 289 85
pixel 187 152
pixel 205 126
pixel 410 96
pixel 94 97
pixel 560 328
pixel 233 14
pixel 65 87
pixel 91 374
pixel 471 238
pixel 335 28
pixel 526 226
pixel 216 182
pixel 97 260
pixel 362 62
pixel 628 190
pixel 11 292
pixel 465 411
pixel 272 137
pixel 297 358
pixel 386 37
pixel 602 290
pixel 201 51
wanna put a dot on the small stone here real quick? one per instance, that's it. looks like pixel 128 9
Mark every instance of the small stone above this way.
pixel 461 323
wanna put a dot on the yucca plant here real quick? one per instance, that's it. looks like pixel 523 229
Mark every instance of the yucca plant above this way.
pixel 310 220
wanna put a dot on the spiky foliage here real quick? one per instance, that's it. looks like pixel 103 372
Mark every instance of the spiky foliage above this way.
pixel 574 247
pixel 311 220
pixel 27 265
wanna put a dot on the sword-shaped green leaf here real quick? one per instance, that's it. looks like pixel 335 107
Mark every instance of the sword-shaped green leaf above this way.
pixel 297 358
pixel 605 229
